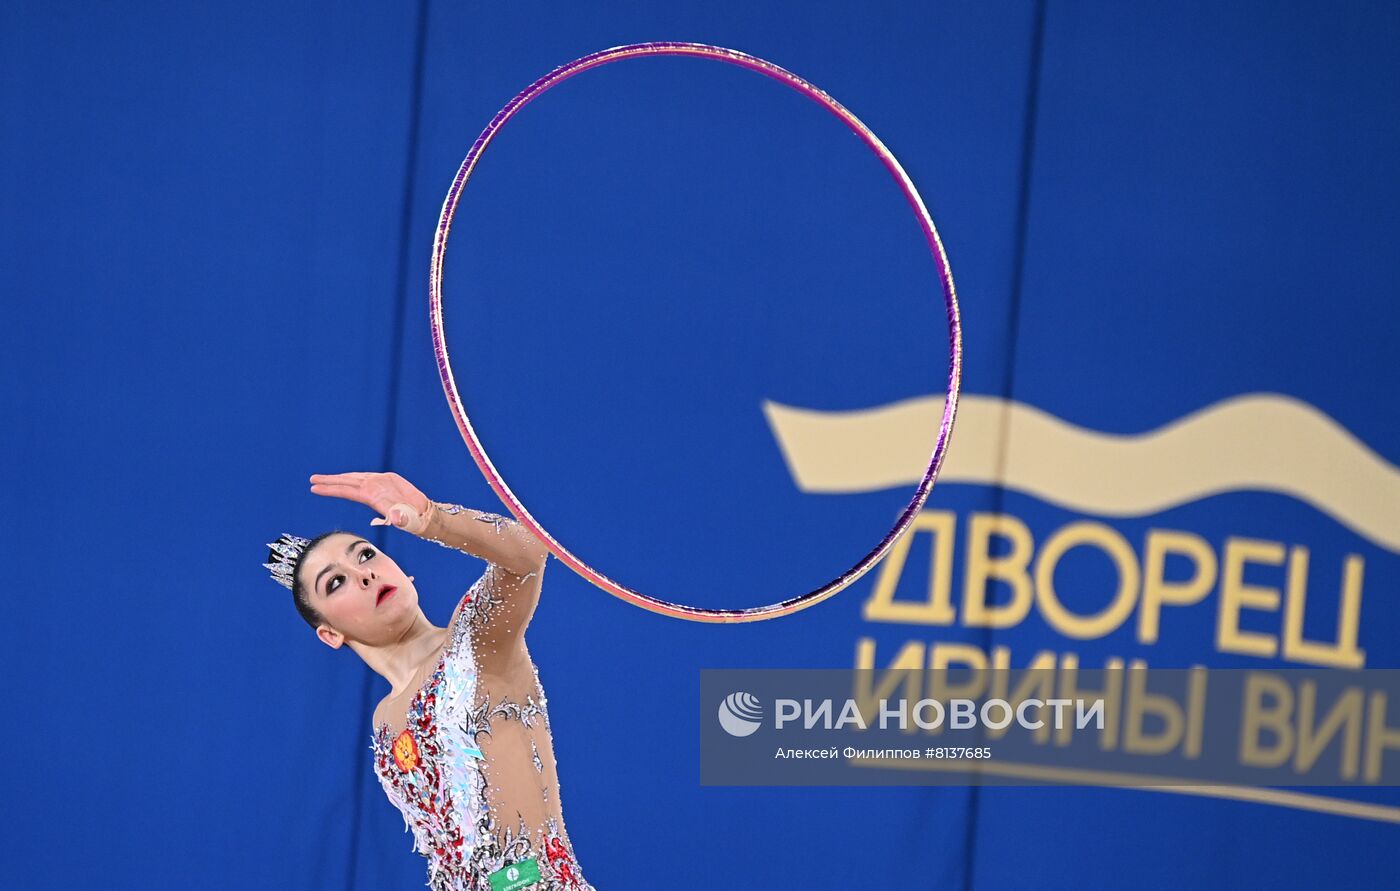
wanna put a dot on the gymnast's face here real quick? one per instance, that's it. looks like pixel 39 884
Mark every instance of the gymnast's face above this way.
pixel 359 591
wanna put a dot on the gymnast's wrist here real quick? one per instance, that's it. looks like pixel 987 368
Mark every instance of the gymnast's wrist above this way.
pixel 426 519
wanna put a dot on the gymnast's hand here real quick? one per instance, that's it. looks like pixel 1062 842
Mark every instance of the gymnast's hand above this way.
pixel 401 503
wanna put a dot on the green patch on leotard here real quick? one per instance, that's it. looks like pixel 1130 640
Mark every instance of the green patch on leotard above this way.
pixel 517 875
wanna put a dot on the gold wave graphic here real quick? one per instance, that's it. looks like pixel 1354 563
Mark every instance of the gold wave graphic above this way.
pixel 1259 441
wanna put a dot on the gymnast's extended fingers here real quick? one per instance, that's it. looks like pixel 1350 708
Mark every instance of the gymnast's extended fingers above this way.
pixel 359 477
pixel 352 491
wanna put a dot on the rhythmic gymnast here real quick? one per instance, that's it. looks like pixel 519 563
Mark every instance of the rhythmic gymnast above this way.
pixel 461 742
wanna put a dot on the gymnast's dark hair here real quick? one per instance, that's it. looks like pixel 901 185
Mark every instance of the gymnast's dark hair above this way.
pixel 301 597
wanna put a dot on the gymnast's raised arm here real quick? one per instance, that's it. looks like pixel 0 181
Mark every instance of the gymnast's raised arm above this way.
pixel 515 558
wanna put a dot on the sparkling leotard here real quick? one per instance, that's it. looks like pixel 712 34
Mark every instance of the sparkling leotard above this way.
pixel 463 764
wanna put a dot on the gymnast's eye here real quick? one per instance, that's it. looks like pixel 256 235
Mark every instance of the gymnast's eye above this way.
pixel 331 585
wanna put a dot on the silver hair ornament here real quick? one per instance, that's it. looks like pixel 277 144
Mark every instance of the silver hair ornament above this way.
pixel 285 552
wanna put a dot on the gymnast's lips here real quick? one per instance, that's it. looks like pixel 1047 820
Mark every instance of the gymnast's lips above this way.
pixel 384 594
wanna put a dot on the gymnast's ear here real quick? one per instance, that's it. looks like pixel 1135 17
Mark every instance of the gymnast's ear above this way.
pixel 329 636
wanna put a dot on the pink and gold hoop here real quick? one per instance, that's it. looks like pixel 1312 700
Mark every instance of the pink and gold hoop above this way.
pixel 454 399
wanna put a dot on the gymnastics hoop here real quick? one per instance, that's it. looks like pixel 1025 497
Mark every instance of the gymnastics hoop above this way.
pixel 459 412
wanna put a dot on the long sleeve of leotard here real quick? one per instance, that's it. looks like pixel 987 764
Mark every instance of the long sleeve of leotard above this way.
pixel 500 541
pixel 508 591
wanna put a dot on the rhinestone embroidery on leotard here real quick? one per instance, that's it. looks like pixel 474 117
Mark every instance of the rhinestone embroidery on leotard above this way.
pixel 444 797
